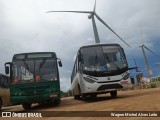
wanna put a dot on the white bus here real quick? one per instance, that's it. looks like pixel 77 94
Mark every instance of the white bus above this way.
pixel 98 69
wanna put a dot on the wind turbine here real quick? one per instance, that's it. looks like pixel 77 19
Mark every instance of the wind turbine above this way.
pixel 145 58
pixel 91 16
pixel 146 61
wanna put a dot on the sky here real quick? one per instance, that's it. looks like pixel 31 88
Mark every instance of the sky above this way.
pixel 26 27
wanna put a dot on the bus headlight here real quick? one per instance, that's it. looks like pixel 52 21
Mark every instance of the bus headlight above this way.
pixel 18 94
pixel 126 77
pixel 89 80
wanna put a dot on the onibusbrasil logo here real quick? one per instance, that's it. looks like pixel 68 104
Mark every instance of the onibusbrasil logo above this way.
pixel 15 114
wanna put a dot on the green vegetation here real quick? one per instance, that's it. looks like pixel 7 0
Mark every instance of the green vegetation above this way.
pixel 153 85
pixel 158 78
pixel 66 94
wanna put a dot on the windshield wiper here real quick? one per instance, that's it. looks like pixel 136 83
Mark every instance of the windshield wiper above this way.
pixel 42 63
pixel 96 58
pixel 25 64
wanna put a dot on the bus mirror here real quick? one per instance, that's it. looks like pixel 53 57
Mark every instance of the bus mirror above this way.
pixel 7 69
pixel 60 63
pixel 7 66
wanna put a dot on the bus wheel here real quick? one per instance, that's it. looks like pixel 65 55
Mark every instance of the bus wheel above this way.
pixel 26 106
pixel 83 96
pixel 57 101
pixel 113 94
pixel 1 104
pixel 77 97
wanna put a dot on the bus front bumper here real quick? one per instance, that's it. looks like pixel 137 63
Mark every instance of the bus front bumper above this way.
pixel 105 87
pixel 19 99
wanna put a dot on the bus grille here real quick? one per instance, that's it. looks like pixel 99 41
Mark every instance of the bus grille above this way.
pixel 32 90
pixel 110 86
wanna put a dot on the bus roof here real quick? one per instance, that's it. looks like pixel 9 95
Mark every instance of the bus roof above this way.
pixel 33 55
pixel 94 45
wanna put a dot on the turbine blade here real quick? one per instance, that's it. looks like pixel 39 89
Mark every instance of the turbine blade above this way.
pixel 71 11
pixel 151 51
pixel 94 6
pixel 111 29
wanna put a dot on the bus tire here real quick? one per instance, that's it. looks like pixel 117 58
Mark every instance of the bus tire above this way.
pixel 57 101
pixel 113 94
pixel 80 96
pixel 84 96
pixel 26 106
pixel 77 97
pixel 1 104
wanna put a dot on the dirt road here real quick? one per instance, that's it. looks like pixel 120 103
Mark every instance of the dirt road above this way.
pixel 132 100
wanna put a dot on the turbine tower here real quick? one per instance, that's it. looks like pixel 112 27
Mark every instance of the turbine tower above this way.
pixel 146 63
pixel 91 16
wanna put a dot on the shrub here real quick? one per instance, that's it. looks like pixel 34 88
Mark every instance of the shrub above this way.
pixel 153 85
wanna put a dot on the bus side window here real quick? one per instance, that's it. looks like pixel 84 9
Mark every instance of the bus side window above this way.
pixel 75 70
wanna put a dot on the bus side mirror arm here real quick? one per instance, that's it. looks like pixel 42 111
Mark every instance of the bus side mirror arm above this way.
pixel 132 68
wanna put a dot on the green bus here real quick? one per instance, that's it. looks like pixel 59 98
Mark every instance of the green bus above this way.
pixel 34 78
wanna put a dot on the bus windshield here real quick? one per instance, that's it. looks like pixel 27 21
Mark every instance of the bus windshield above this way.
pixel 35 70
pixel 103 58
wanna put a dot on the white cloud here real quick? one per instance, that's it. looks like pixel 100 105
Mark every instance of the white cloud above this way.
pixel 65 84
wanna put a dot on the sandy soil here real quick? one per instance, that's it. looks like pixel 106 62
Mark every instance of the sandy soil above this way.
pixel 132 100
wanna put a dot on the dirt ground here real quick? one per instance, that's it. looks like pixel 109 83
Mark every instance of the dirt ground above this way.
pixel 132 100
